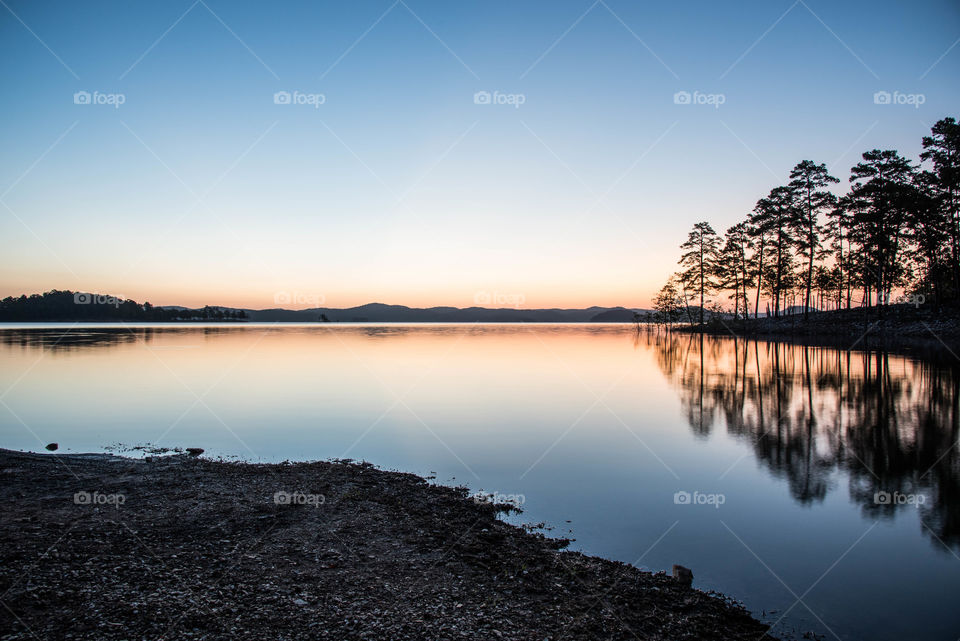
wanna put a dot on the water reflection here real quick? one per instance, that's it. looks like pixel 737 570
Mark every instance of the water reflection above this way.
pixel 78 337
pixel 598 426
pixel 890 422
pixel 70 337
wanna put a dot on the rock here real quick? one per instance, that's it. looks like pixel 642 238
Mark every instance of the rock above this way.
pixel 299 602
pixel 682 575
pixel 194 451
pixel 53 446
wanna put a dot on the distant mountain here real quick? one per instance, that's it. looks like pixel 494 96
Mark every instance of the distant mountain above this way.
pixel 381 313
pixel 83 307
pixel 616 315
pixel 796 309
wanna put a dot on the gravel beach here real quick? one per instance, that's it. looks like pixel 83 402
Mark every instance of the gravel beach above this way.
pixel 171 547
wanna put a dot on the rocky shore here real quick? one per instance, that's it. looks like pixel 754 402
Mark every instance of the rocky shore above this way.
pixel 180 547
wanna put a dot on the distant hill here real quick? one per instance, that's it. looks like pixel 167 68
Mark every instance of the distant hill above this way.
pixel 616 315
pixel 83 307
pixel 796 309
pixel 381 313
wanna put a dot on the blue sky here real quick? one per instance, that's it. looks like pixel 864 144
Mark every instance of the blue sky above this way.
pixel 399 187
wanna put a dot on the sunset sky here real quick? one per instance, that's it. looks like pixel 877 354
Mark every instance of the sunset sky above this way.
pixel 571 187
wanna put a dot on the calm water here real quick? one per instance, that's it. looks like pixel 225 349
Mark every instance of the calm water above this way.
pixel 786 446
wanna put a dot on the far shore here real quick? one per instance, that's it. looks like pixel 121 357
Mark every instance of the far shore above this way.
pixel 97 546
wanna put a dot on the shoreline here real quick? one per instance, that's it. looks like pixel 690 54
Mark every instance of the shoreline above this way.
pixel 97 546
pixel 898 328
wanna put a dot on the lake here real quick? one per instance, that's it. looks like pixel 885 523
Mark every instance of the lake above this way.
pixel 819 486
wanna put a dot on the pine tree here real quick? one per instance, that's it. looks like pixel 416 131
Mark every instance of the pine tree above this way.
pixel 733 267
pixel 773 216
pixel 808 181
pixel 699 260
pixel 942 149
pixel 884 186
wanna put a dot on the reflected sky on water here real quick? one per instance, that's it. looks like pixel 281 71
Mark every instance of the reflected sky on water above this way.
pixel 820 486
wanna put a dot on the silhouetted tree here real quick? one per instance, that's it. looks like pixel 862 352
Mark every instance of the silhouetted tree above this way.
pixel 699 260
pixel 758 234
pixel 809 182
pixel 883 186
pixel 774 216
pixel 942 150
pixel 667 303
pixel 897 226
pixel 839 228
pixel 733 266
pixel 57 305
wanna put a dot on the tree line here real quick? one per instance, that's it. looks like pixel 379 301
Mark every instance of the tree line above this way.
pixel 897 229
pixel 66 305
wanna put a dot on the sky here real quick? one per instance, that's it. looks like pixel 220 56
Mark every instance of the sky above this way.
pixel 536 154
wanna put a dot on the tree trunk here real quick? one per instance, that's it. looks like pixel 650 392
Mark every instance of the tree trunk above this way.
pixel 756 306
pixel 701 283
pixel 810 240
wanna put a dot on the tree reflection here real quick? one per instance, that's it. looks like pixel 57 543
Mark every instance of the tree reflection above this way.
pixel 74 338
pixel 889 422
pixel 80 337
